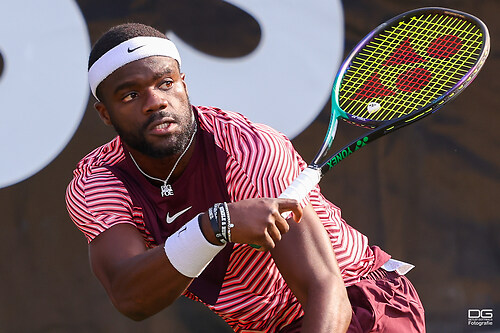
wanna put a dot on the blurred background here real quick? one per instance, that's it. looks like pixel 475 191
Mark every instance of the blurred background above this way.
pixel 427 195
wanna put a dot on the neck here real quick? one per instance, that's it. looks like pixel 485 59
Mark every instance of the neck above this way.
pixel 160 167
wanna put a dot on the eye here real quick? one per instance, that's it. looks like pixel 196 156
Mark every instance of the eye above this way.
pixel 129 97
pixel 167 84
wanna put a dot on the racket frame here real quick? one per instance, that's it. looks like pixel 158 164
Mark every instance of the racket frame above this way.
pixel 445 97
pixel 307 179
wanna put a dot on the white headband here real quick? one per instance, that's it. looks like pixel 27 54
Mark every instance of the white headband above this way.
pixel 126 52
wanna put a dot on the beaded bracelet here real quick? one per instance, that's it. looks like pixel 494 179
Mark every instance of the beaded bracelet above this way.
pixel 220 220
pixel 214 222
pixel 226 224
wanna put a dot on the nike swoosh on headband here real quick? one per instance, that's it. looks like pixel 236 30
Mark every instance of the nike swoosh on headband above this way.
pixel 129 50
pixel 175 216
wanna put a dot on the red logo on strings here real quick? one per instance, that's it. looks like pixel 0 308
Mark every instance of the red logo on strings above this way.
pixel 412 79
pixel 404 54
pixel 373 87
pixel 444 47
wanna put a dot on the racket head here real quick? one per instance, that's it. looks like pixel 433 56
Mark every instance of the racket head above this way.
pixel 410 65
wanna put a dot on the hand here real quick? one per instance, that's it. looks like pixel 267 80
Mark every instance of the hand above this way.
pixel 259 221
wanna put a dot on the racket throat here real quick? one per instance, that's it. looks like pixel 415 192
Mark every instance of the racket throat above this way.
pixel 327 142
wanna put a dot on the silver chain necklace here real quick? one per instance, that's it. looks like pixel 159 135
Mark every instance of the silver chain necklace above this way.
pixel 166 189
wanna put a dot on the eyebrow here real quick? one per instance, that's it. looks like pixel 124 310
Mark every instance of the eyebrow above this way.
pixel 166 71
pixel 123 86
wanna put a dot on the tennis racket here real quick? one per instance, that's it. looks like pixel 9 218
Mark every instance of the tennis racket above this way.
pixel 405 69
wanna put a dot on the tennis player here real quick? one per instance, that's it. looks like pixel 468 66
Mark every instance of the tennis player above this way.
pixel 180 202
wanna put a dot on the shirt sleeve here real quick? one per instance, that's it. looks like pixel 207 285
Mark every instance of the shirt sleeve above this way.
pixel 262 162
pixel 96 200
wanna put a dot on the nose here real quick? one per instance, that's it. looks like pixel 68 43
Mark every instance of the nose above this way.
pixel 155 101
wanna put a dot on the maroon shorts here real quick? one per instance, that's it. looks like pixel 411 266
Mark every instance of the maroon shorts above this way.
pixel 381 302
pixel 385 302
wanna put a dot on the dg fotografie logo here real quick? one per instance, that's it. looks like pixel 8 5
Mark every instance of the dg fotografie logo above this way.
pixel 480 317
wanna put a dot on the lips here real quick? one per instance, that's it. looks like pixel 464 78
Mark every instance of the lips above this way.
pixel 162 126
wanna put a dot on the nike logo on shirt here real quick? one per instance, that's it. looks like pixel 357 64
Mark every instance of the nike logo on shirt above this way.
pixel 172 219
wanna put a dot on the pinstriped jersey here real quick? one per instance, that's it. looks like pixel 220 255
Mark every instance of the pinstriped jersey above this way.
pixel 259 162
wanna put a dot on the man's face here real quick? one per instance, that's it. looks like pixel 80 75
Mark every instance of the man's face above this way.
pixel 146 101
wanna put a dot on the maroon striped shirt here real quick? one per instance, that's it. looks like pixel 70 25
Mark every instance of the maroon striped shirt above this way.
pixel 260 162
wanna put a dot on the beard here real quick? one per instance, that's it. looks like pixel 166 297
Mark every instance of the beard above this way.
pixel 175 145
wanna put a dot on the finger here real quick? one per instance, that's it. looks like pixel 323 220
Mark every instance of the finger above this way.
pixel 267 243
pixel 274 233
pixel 281 223
pixel 297 214
pixel 286 205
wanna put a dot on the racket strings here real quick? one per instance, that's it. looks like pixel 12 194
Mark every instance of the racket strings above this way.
pixel 408 55
pixel 412 54
pixel 443 79
pixel 409 65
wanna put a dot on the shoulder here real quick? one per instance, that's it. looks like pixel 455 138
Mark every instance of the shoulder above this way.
pixel 234 132
pixel 95 198
pixel 261 161
pixel 91 174
pixel 107 154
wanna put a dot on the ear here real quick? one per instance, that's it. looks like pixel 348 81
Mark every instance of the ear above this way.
pixel 103 113
pixel 183 78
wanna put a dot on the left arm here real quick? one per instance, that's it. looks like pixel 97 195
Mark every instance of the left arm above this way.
pixel 307 262
pixel 303 254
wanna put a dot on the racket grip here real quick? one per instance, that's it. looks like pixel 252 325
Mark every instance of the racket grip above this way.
pixel 303 184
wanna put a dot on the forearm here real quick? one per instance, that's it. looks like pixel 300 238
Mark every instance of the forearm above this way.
pixel 316 281
pixel 139 282
pixel 146 284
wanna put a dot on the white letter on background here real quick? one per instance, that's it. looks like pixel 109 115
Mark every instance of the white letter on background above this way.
pixel 287 80
pixel 43 87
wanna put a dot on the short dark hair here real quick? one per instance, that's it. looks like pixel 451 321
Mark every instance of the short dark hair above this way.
pixel 119 34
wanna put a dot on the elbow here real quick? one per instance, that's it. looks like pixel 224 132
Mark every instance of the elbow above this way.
pixel 345 312
pixel 342 306
pixel 134 314
pixel 326 308
pixel 132 310
pixel 138 309
pixel 332 287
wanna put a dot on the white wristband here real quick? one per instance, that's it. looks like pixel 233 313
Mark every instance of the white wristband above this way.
pixel 189 251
